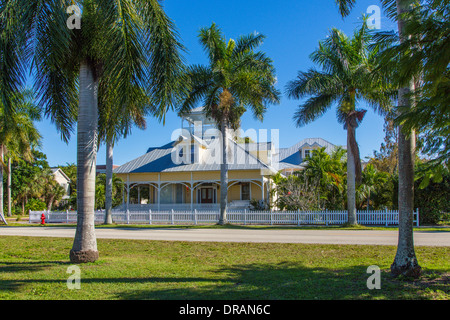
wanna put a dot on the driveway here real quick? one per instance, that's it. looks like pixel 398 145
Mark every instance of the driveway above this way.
pixel 362 237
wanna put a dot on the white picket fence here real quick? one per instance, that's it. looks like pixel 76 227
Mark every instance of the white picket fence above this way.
pixel 246 217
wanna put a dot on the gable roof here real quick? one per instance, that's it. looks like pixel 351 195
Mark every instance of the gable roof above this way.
pixel 55 170
pixel 292 155
pixel 160 160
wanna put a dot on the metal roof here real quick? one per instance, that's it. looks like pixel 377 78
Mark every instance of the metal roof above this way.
pixel 160 160
pixel 292 155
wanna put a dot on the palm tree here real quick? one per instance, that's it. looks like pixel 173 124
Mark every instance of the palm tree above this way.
pixel 328 170
pixel 405 261
pixel 372 180
pixel 50 191
pixel 116 123
pixel 130 46
pixel 236 78
pixel 17 136
pixel 347 77
pixel 24 136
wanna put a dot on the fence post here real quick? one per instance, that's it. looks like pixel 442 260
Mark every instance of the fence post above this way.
pixel 67 216
pixel 386 216
pixel 128 216
pixel 195 216
pixel 150 216
pixel 245 216
pixel 172 216
pixel 417 214
pixel 298 217
pixel 326 217
pixel 271 217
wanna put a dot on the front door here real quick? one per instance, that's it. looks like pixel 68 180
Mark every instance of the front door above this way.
pixel 206 195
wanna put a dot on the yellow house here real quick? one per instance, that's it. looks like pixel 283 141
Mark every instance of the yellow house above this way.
pixel 185 173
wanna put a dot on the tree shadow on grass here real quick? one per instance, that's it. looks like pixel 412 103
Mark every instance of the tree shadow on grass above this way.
pixel 28 266
pixel 283 281
pixel 256 281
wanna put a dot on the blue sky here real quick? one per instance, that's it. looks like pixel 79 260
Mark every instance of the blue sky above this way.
pixel 292 29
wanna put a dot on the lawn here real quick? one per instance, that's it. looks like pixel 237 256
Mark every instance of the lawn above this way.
pixel 36 268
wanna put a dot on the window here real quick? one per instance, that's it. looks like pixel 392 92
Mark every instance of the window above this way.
pixel 245 191
pixel 307 153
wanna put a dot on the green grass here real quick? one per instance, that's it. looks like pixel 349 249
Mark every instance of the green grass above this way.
pixel 35 268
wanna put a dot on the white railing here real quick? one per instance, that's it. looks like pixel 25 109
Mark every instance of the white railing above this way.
pixel 246 217
pixel 238 205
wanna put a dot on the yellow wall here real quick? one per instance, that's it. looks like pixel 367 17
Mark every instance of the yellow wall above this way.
pixel 234 193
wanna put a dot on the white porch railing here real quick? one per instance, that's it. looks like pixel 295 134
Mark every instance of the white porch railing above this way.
pixel 246 217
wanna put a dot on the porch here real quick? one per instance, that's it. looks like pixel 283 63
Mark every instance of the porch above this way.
pixel 192 195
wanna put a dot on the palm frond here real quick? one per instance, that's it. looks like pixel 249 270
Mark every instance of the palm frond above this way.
pixel 313 108
pixel 345 6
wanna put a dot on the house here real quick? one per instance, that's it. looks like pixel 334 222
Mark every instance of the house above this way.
pixel 63 180
pixel 294 158
pixel 184 174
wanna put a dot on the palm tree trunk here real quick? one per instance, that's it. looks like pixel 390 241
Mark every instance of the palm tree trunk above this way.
pixel 50 203
pixel 223 176
pixel 405 261
pixel 9 187
pixel 351 179
pixel 109 181
pixel 85 243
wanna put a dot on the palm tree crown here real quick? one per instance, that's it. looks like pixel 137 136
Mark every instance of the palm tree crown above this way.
pixel 347 77
pixel 125 56
pixel 236 78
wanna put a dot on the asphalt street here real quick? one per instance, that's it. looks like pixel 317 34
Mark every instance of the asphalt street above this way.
pixel 361 237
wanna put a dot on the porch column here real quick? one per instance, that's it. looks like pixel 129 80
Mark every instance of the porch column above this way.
pixel 192 193
pixel 159 199
pixel 128 196
pixel 159 191
pixel 262 188
pixel 128 192
pixel 123 194
pixel 139 194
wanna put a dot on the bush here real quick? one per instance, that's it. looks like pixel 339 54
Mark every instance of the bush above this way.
pixel 433 201
pixel 35 205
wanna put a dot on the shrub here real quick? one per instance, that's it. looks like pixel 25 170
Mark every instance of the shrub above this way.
pixel 35 205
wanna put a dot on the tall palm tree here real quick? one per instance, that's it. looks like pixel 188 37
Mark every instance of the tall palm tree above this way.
pixel 405 261
pixel 347 78
pixel 117 123
pixel 17 135
pixel 236 78
pixel 130 46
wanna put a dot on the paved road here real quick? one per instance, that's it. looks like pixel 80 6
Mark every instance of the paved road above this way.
pixel 372 237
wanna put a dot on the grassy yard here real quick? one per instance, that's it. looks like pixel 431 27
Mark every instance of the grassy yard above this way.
pixel 35 268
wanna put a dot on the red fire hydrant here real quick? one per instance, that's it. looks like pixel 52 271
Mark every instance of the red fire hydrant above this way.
pixel 42 219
